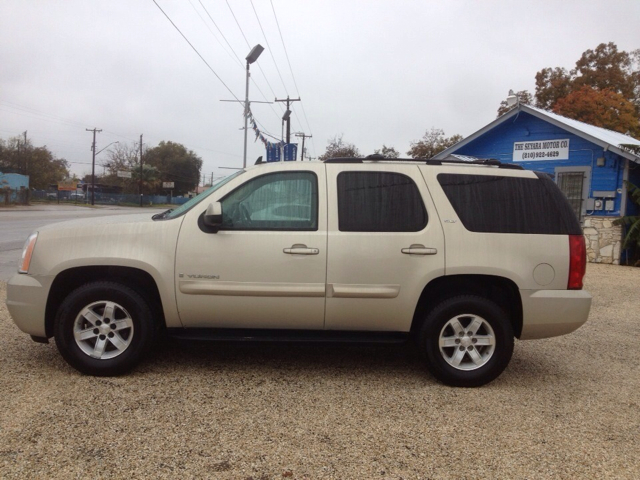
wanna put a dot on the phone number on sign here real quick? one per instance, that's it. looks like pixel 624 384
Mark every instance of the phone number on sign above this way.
pixel 534 155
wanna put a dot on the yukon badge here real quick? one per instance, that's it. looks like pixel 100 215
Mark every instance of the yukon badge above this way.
pixel 209 277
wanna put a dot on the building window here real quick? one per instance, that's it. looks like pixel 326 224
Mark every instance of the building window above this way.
pixel 574 183
pixel 379 202
pixel 571 185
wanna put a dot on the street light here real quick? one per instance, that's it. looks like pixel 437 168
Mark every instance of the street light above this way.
pixel 251 58
pixel 93 177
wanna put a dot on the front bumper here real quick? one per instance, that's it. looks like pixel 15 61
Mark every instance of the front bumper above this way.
pixel 549 313
pixel 27 301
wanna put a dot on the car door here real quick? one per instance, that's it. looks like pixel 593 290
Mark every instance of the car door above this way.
pixel 266 266
pixel 385 244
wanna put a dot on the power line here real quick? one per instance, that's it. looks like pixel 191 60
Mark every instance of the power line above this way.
pixel 195 50
pixel 269 48
pixel 213 34
pixel 291 70
pixel 232 49
pixel 220 31
pixel 36 113
pixel 27 111
pixel 249 45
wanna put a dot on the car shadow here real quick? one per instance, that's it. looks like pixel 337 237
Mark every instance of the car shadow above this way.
pixel 287 357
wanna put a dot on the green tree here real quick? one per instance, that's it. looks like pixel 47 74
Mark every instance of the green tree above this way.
pixel 552 84
pixel 631 222
pixel 388 152
pixel 607 68
pixel 174 163
pixel 151 182
pixel 432 143
pixel 42 166
pixel 524 97
pixel 337 147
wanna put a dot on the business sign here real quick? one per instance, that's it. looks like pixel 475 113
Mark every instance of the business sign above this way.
pixel 290 152
pixel 168 184
pixel 124 174
pixel 541 150
pixel 68 185
pixel 273 152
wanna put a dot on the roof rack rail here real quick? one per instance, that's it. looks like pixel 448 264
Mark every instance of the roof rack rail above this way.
pixel 343 160
pixel 489 161
pixel 492 162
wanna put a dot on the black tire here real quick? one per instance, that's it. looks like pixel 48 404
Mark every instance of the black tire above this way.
pixel 124 339
pixel 478 364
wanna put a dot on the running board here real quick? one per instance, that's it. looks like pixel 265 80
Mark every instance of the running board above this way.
pixel 312 336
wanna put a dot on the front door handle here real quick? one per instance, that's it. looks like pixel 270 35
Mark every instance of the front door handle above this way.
pixel 418 249
pixel 299 249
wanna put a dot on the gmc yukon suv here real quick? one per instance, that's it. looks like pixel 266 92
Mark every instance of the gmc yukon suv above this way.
pixel 461 257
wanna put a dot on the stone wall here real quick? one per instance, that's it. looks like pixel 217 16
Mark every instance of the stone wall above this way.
pixel 603 240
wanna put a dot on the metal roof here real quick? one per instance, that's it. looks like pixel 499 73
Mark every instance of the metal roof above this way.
pixel 607 139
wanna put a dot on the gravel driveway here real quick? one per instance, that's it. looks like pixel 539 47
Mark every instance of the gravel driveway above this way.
pixel 567 407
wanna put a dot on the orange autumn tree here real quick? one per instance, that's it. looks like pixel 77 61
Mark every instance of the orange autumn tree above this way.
pixel 602 108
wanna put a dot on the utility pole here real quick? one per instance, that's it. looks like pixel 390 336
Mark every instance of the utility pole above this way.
pixel 211 183
pixel 303 137
pixel 140 181
pixel 93 163
pixel 288 117
pixel 26 159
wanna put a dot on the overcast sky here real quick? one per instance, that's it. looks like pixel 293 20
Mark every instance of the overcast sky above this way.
pixel 378 72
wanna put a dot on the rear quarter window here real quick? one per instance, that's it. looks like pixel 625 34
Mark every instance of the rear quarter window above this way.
pixel 496 204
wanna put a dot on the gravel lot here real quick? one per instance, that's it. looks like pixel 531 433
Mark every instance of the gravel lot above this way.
pixel 567 407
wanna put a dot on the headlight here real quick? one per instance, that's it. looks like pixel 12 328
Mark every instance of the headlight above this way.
pixel 27 252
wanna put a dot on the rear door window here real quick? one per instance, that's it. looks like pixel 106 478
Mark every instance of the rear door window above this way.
pixel 379 202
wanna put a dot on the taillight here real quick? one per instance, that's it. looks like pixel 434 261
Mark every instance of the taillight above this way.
pixel 577 261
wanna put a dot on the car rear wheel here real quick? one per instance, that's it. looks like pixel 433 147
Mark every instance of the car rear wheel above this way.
pixel 467 341
pixel 104 328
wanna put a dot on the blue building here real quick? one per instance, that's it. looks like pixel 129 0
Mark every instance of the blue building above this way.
pixel 13 187
pixel 589 164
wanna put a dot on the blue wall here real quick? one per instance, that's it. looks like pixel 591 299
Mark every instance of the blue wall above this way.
pixel 14 181
pixel 498 143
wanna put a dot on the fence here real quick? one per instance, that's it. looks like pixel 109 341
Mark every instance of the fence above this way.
pixel 55 196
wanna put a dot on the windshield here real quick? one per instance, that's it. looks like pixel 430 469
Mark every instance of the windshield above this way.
pixel 197 199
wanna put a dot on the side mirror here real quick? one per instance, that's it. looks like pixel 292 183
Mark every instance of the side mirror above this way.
pixel 213 216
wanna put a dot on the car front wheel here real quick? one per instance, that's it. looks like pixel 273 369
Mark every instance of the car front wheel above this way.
pixel 467 341
pixel 104 328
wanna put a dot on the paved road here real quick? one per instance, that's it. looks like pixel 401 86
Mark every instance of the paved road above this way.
pixel 17 223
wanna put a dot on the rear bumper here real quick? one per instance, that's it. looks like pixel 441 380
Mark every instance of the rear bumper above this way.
pixel 27 302
pixel 549 313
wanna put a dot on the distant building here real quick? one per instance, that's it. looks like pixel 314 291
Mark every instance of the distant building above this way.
pixel 589 164
pixel 17 184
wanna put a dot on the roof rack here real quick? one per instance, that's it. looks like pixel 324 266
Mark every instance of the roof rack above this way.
pixel 379 158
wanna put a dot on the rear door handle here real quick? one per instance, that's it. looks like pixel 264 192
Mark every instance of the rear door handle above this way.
pixel 299 249
pixel 417 249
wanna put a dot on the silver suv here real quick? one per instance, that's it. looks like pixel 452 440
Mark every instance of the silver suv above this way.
pixel 459 257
